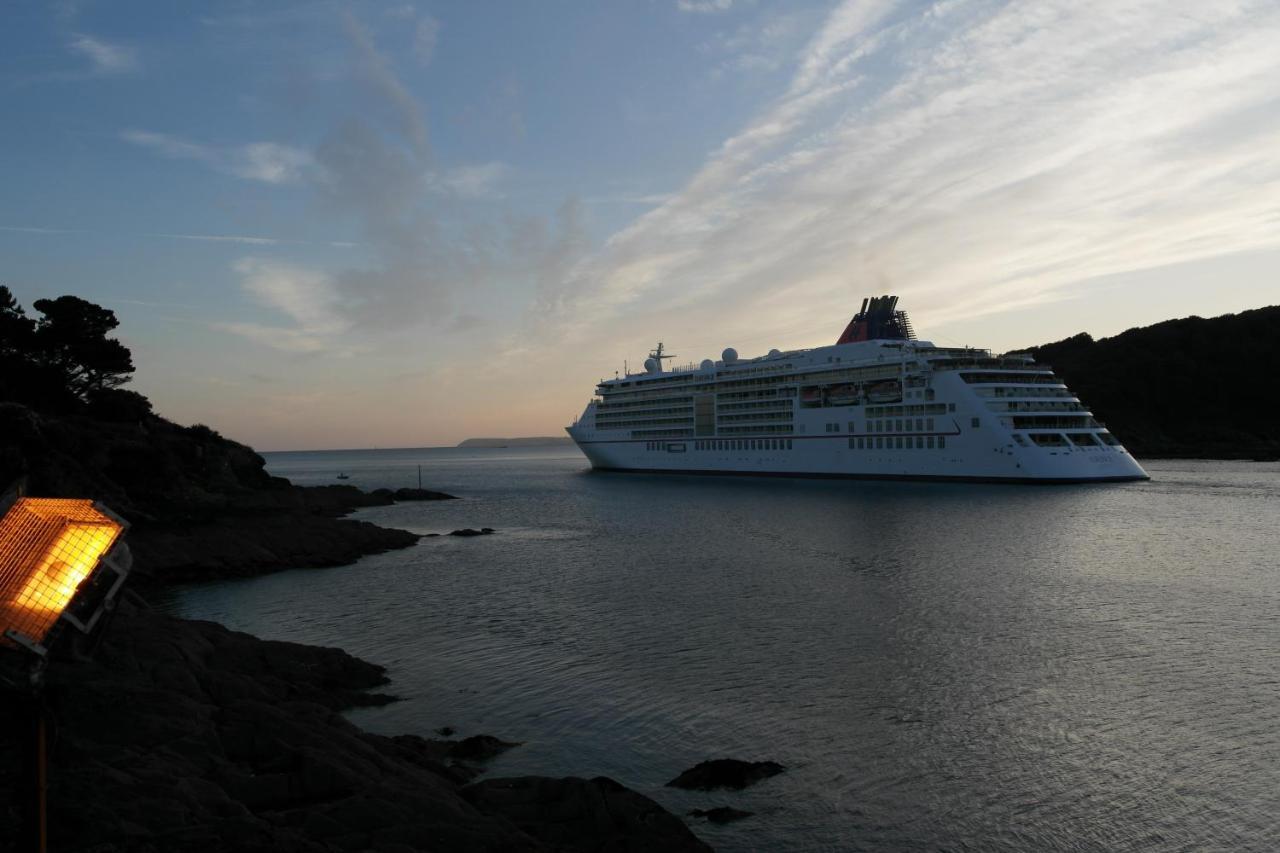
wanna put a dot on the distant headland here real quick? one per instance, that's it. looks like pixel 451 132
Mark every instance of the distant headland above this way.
pixel 527 441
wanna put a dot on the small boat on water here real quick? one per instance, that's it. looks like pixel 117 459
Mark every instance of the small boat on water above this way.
pixel 343 477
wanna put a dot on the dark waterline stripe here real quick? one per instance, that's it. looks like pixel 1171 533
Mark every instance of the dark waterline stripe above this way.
pixel 945 478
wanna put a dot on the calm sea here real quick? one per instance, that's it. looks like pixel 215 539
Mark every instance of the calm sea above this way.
pixel 940 667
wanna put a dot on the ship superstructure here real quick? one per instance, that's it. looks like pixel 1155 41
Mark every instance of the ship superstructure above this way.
pixel 876 404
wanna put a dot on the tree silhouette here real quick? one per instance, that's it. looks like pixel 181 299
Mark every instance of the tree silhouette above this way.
pixel 65 359
pixel 16 328
pixel 71 339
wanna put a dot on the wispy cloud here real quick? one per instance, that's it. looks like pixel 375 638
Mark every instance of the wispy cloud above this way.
pixel 987 155
pixel 28 229
pixel 222 238
pixel 704 6
pixel 305 297
pixel 477 181
pixel 105 57
pixel 426 34
pixel 765 44
pixel 267 162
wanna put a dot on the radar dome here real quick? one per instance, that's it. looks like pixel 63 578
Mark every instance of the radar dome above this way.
pixel 707 364
pixel 651 365
pixel 729 356
pixel 773 353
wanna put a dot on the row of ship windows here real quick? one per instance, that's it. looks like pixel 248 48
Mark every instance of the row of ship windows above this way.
pixel 744 444
pixel 647 413
pixel 1023 392
pixel 897 425
pixel 898 442
pixel 1010 379
pixel 899 411
pixel 724 444
pixel 1079 439
pixel 778 415
pixel 1037 406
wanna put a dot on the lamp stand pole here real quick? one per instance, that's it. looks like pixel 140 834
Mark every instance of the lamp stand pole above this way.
pixel 42 781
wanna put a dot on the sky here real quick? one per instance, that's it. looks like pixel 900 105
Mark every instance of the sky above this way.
pixel 402 224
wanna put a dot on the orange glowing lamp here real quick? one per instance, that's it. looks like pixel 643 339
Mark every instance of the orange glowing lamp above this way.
pixel 57 560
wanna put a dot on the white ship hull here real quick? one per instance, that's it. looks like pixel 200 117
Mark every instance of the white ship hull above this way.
pixel 831 458
pixel 883 408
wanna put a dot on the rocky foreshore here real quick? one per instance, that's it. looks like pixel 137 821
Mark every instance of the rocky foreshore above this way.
pixel 182 735
pixel 179 735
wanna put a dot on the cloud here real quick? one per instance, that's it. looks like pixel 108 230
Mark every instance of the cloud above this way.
pixel 425 36
pixel 270 163
pixel 704 7
pixel 305 296
pixel 478 181
pixel 386 89
pixel 765 44
pixel 222 238
pixel 31 229
pixel 983 157
pixel 266 162
pixel 106 58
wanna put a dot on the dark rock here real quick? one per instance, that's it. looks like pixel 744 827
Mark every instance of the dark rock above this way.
pixel 721 814
pixel 479 748
pixel 422 495
pixel 251 545
pixel 583 814
pixel 185 736
pixel 445 731
pixel 432 535
pixel 469 531
pixel 202 506
pixel 725 773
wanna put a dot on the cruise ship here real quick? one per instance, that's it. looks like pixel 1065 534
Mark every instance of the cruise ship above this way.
pixel 876 404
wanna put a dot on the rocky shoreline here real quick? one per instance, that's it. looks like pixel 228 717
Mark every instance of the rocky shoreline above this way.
pixel 179 735
pixel 183 735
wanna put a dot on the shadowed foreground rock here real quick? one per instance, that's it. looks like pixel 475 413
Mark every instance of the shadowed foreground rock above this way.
pixel 721 814
pixel 583 814
pixel 185 736
pixel 725 773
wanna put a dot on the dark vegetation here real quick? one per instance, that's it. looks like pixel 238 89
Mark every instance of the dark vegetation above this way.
pixel 202 506
pixel 1184 388
pixel 184 736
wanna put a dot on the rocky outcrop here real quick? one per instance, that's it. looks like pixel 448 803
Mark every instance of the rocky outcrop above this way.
pixel 725 773
pixel 252 545
pixel 583 814
pixel 411 495
pixel 202 507
pixel 184 736
pixel 720 814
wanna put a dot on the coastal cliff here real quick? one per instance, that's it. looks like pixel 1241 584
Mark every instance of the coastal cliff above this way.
pixel 1195 387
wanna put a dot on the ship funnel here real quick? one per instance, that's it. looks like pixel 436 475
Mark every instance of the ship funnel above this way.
pixel 878 320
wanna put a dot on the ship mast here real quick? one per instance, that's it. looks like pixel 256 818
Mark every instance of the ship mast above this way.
pixel 657 355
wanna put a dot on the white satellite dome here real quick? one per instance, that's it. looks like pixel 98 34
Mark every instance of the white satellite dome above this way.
pixel 707 364
pixel 651 365
pixel 773 353
pixel 729 356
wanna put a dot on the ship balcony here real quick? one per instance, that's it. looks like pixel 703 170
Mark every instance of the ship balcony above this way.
pixel 1027 392
pixel 1037 407
pixel 1031 423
